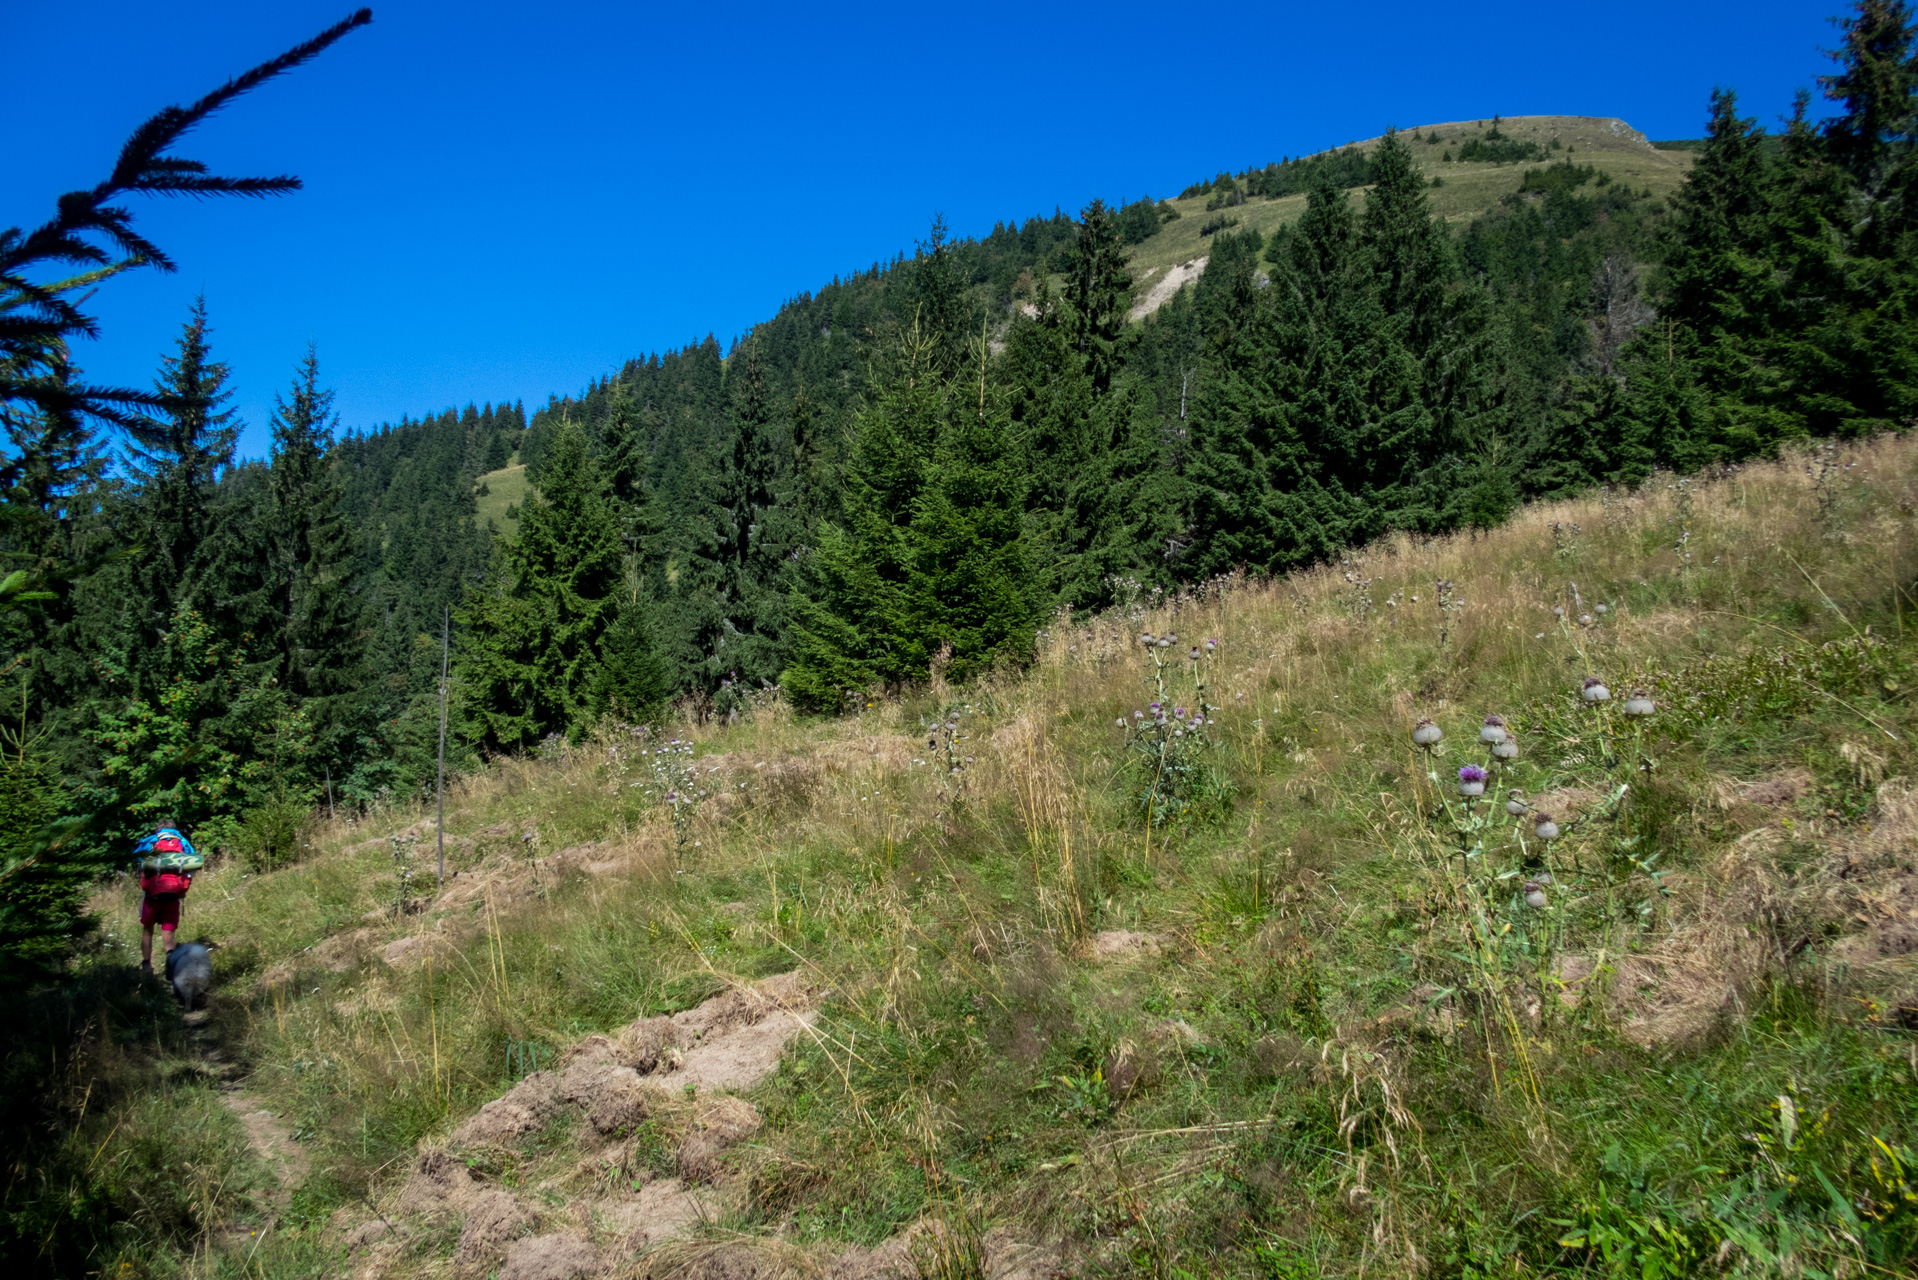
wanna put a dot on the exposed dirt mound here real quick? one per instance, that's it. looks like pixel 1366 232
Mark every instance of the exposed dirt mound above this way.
pixel 1123 944
pixel 717 1124
pixel 565 1255
pixel 439 1183
pixel 493 1222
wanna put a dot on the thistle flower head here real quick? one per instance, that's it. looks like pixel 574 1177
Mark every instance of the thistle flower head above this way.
pixel 1638 704
pixel 1506 748
pixel 1543 826
pixel 1178 713
pixel 1472 773
pixel 1493 729
pixel 1148 639
pixel 1193 653
pixel 1426 734
pixel 1515 803
pixel 1210 645
pixel 1595 690
pixel 1535 895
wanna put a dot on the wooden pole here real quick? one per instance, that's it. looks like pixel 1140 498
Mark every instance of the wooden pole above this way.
pixel 446 633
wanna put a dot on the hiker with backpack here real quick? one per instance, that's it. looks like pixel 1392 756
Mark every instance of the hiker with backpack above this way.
pixel 166 861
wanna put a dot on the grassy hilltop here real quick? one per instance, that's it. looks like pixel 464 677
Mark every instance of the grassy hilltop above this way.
pixel 1469 187
pixel 1259 998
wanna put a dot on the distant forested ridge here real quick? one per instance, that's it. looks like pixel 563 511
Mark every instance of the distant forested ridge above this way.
pixel 909 469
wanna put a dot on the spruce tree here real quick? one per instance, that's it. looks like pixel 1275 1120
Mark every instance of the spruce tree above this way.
pixel 530 667
pixel 1098 291
pixel 175 460
pixel 316 615
pixel 1721 293
pixel 1875 135
pixel 853 620
pixel 972 590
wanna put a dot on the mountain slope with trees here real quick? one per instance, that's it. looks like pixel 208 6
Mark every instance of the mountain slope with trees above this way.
pixel 912 468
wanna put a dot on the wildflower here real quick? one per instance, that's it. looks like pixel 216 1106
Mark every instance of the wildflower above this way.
pixel 1138 715
pixel 1426 734
pixel 1543 827
pixel 1192 654
pixel 1506 749
pixel 1557 611
pixel 1471 781
pixel 1165 642
pixel 1601 610
pixel 1639 704
pixel 1211 645
pixel 1178 713
pixel 1515 803
pixel 1584 619
pixel 1120 722
pixel 1155 707
pixel 1493 730
pixel 1534 895
pixel 1595 690
pixel 1148 639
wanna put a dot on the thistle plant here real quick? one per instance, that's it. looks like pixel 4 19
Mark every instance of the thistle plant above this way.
pixel 676 784
pixel 1170 740
pixel 404 847
pixel 949 763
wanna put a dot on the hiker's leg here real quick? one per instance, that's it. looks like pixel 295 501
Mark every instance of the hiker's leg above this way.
pixel 166 914
pixel 146 946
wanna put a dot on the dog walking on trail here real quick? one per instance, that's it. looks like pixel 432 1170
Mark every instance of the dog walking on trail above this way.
pixel 167 861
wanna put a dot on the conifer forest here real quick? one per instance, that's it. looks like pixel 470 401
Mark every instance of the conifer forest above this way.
pixel 915 504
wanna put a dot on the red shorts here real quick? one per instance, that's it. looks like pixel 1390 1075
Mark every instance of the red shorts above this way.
pixel 162 909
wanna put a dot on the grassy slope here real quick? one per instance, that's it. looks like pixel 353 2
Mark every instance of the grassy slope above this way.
pixel 1469 190
pixel 505 488
pixel 1343 1050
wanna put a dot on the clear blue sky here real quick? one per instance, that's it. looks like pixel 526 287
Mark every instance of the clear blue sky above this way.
pixel 505 200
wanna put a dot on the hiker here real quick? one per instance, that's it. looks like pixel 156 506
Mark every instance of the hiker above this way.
pixel 167 862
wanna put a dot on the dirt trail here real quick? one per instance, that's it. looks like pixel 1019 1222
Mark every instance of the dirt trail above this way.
pixel 266 1137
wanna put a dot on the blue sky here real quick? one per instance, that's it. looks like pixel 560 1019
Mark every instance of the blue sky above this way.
pixel 505 200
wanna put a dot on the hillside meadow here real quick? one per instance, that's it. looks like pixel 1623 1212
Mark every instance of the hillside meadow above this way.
pixel 1467 189
pixel 1260 995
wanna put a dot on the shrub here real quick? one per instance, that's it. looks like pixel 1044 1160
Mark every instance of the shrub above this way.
pixel 270 835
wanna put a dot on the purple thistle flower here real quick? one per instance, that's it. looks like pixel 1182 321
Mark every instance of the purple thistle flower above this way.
pixel 1178 713
pixel 1471 773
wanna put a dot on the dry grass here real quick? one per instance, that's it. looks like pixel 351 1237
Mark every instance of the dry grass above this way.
pixel 1329 994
